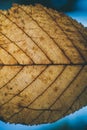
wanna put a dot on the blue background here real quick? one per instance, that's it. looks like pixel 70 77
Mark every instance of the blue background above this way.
pixel 76 9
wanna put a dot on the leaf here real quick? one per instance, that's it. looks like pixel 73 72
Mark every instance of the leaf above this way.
pixel 43 65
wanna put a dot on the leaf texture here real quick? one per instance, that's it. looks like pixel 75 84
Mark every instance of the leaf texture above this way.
pixel 43 65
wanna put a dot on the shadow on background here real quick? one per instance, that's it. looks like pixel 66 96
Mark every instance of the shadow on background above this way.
pixel 63 5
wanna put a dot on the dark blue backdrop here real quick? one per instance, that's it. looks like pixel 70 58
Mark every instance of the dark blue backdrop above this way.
pixel 65 5
pixel 77 9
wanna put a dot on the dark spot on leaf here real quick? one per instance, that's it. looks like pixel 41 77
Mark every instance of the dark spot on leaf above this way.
pixel 5 94
pixel 10 88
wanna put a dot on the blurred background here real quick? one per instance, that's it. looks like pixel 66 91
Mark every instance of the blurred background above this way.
pixel 74 8
pixel 77 9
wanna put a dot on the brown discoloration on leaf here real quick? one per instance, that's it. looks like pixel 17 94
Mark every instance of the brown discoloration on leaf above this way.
pixel 43 65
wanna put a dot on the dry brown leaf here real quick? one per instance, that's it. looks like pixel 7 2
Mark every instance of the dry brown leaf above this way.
pixel 43 65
